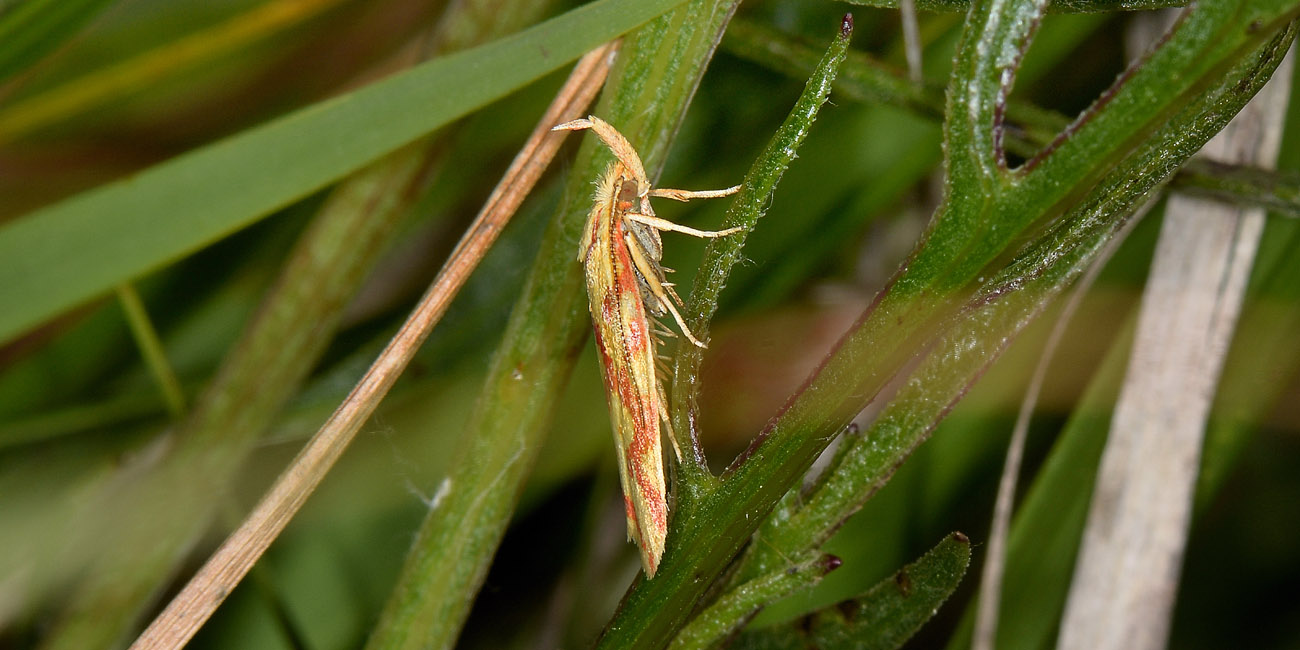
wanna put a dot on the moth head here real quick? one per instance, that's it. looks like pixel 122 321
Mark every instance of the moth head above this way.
pixel 628 193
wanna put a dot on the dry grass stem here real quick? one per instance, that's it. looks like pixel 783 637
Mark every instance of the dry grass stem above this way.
pixel 1127 575
pixel 911 39
pixel 228 565
pixel 995 558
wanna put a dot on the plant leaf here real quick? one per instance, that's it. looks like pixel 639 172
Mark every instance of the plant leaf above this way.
pixel 731 610
pixel 884 617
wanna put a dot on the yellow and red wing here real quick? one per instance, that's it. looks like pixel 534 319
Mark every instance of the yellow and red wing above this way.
pixel 627 363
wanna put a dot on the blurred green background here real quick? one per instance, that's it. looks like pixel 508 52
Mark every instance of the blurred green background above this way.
pixel 106 89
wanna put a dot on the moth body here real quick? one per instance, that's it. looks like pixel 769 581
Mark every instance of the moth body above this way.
pixel 626 290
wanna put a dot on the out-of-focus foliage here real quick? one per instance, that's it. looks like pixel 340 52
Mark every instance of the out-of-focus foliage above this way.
pixel 103 101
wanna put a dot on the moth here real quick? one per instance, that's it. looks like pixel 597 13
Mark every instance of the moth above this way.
pixel 620 252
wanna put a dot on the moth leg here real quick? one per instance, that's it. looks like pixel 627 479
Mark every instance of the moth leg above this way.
pixel 665 295
pixel 686 195
pixel 686 331
pixel 664 224
pixel 668 425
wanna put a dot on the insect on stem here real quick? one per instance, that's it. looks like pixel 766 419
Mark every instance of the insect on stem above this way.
pixel 620 252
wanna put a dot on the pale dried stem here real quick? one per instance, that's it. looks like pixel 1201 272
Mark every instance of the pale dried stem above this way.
pixel 995 558
pixel 1127 575
pixel 228 565
pixel 911 39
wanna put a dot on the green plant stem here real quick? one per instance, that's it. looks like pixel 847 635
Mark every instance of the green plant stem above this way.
pixel 647 94
pixel 722 254
pixel 1040 272
pixel 731 610
pixel 1060 6
pixel 654 609
pixel 1149 125
pixel 905 318
pixel 1273 190
pixel 867 80
pixel 151 349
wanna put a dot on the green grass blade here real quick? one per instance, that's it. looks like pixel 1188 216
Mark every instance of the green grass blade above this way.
pixel 146 337
pixel 35 28
pixel 143 222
